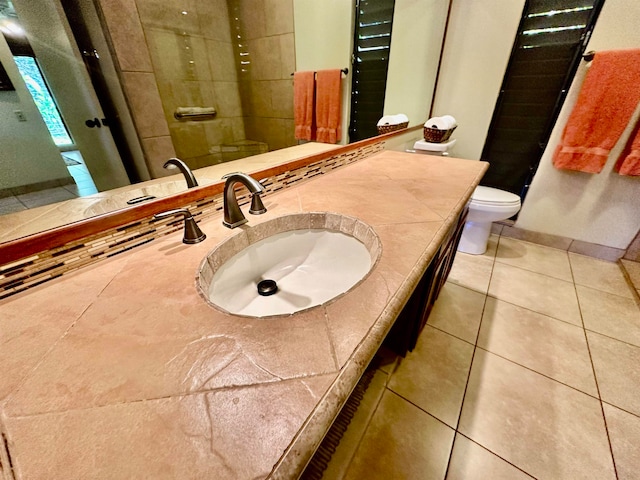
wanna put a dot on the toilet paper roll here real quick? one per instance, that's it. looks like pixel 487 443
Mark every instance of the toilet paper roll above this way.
pixel 438 123
pixel 451 122
pixel 401 118
pixel 387 120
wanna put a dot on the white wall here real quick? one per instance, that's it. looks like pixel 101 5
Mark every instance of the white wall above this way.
pixel 324 39
pixel 476 53
pixel 418 30
pixel 27 154
pixel 598 208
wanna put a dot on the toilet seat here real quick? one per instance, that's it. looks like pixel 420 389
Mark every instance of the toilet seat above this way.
pixel 487 196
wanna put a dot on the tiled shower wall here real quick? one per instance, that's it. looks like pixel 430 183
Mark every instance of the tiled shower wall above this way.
pixel 266 51
pixel 181 54
pixel 193 58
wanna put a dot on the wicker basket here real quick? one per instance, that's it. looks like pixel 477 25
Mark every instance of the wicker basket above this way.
pixel 435 135
pixel 382 129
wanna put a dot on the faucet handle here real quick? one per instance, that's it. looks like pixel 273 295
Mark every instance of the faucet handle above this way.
pixel 192 233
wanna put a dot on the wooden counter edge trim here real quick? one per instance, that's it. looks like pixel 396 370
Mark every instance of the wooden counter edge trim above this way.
pixel 295 458
pixel 56 237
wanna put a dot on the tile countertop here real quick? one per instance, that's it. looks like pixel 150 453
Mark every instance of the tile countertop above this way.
pixel 121 370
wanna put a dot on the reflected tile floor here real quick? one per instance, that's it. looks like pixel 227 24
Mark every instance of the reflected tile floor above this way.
pixel 83 185
pixel 527 368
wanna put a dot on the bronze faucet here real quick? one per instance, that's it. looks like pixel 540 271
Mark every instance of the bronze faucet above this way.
pixel 183 167
pixel 233 216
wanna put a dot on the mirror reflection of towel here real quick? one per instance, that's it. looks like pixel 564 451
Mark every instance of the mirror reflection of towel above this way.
pixel 328 105
pixel 303 105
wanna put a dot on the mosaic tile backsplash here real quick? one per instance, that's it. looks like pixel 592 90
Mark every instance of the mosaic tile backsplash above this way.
pixel 47 265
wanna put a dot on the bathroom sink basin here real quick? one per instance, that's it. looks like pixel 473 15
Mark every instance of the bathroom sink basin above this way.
pixel 288 264
pixel 140 195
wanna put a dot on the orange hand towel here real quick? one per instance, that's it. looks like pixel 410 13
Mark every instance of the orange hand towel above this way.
pixel 608 97
pixel 328 105
pixel 303 105
pixel 629 163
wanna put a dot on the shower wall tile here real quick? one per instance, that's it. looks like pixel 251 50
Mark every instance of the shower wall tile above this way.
pixel 170 16
pixel 228 99
pixel 145 104
pixel 222 61
pixel 219 131
pixel 276 136
pixel 189 139
pixel 177 56
pixel 282 98
pixel 127 35
pixel 266 58
pixel 252 128
pixel 252 13
pixel 157 151
pixel 278 17
pixel 213 16
pixel 261 98
pixel 290 131
pixel 287 55
pixel 237 127
pixel 205 160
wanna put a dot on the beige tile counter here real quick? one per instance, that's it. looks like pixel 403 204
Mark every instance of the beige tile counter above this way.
pixel 122 371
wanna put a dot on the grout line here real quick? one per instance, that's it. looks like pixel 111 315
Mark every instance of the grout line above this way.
pixel 620 408
pixel 473 356
pixel 612 338
pixel 595 376
pixel 533 271
pixel 536 312
pixel 450 334
pixel 425 412
pixel 539 373
pixel 495 454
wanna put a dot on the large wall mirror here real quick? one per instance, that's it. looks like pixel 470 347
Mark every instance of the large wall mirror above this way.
pixel 98 84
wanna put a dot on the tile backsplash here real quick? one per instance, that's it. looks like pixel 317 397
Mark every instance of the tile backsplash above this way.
pixel 47 265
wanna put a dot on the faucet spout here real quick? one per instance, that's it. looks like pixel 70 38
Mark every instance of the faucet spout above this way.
pixel 186 171
pixel 233 216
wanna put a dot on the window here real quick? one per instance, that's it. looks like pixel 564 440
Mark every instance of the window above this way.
pixel 550 41
pixel 372 44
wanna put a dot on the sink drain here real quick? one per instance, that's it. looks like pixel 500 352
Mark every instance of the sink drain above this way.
pixel 267 287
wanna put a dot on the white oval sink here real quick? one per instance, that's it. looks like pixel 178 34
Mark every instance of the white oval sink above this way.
pixel 139 195
pixel 312 258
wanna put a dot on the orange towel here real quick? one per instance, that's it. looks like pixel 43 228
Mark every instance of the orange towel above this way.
pixel 303 105
pixel 328 105
pixel 608 97
pixel 629 162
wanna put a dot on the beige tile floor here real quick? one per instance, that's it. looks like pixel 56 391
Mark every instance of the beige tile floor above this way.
pixel 529 367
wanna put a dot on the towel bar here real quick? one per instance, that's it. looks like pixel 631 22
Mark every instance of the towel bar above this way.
pixel 343 70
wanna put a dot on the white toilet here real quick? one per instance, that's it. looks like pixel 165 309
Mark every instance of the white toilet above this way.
pixel 487 205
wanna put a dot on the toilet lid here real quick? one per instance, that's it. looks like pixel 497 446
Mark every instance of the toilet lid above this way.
pixel 490 196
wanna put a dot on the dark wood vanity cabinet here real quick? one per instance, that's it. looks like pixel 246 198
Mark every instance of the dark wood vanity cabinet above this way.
pixel 403 336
